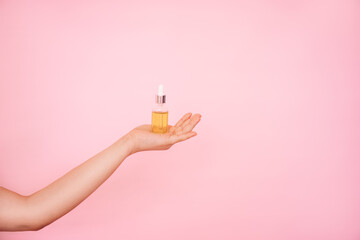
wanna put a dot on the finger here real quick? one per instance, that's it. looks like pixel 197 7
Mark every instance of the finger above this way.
pixel 187 127
pixel 183 119
pixel 185 136
pixel 185 123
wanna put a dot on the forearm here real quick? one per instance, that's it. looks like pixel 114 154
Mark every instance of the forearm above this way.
pixel 61 196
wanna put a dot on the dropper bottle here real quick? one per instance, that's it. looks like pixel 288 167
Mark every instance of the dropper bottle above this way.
pixel 159 122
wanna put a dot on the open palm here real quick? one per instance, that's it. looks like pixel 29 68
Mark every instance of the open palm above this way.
pixel 144 139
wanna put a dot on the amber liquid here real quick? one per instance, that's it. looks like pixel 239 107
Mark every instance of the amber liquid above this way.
pixel 159 123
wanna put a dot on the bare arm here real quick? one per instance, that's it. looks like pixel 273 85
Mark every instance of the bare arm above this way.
pixel 50 203
pixel 22 213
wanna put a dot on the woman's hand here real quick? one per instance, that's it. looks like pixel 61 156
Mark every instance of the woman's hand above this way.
pixel 33 212
pixel 144 139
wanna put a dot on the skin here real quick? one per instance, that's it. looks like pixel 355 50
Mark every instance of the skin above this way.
pixel 34 212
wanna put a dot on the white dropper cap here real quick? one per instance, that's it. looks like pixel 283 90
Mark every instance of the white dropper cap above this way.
pixel 161 90
pixel 160 97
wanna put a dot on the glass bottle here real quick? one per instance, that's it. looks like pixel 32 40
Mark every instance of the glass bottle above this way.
pixel 159 121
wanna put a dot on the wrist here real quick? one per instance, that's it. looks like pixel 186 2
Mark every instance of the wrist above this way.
pixel 127 143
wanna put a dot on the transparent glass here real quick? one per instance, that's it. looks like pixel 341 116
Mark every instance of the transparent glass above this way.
pixel 159 119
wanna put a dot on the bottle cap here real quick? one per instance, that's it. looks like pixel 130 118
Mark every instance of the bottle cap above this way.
pixel 160 97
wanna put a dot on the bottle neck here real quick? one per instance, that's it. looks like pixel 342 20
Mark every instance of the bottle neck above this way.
pixel 160 107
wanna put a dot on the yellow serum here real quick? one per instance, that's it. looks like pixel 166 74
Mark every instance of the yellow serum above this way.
pixel 159 123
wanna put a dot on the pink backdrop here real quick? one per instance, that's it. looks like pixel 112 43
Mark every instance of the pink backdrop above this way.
pixel 277 83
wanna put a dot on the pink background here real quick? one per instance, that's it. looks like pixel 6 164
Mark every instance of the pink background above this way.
pixel 277 83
